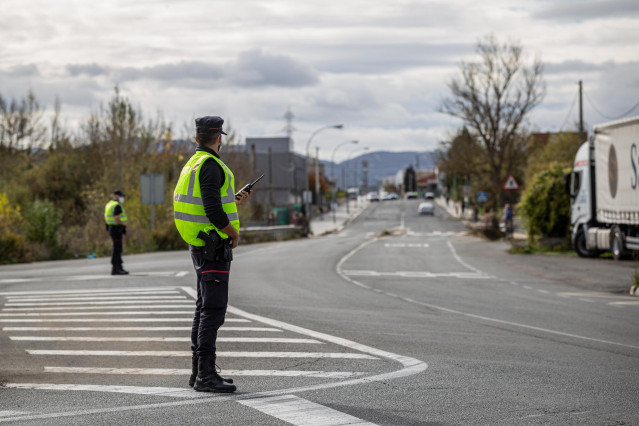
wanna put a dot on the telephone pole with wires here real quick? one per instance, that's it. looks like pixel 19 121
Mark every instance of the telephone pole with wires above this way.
pixel 581 112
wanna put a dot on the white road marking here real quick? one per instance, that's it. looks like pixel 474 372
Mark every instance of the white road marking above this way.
pixel 407 245
pixel 111 290
pixel 629 303
pixel 159 339
pixel 177 300
pixel 301 412
pixel 585 300
pixel 514 283
pixel 236 354
pixel 5 413
pixel 186 372
pixel 459 259
pixel 113 293
pixel 91 298
pixel 98 320
pixel 543 291
pixel 139 390
pixel 527 287
pixel 466 314
pixel 417 274
pixel 100 308
pixel 18 280
pixel 182 274
pixel 410 366
pixel 57 314
pixel 224 328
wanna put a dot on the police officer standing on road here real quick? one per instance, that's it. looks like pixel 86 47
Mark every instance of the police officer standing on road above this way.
pixel 115 218
pixel 206 217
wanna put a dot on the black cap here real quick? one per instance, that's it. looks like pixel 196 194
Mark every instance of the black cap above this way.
pixel 118 192
pixel 209 125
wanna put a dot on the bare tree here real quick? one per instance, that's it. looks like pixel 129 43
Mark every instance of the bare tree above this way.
pixel 20 125
pixel 493 96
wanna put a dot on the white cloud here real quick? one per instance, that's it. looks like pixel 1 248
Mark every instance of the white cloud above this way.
pixel 378 67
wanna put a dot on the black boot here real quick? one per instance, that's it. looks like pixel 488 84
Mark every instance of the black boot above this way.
pixel 122 271
pixel 194 372
pixel 118 271
pixel 207 378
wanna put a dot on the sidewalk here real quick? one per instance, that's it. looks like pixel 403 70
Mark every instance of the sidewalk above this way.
pixel 324 223
pixel 454 210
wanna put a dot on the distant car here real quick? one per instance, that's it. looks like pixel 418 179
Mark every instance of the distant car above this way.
pixel 429 196
pixel 372 196
pixel 389 197
pixel 426 207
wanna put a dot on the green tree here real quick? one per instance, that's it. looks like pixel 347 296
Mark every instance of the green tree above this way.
pixel 545 207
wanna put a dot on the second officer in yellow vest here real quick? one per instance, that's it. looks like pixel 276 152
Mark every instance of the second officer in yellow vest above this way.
pixel 205 210
pixel 115 219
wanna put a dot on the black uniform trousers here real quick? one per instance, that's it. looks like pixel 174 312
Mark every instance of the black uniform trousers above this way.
pixel 212 300
pixel 116 232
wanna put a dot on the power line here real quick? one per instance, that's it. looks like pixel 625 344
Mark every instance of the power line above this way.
pixel 607 117
pixel 572 105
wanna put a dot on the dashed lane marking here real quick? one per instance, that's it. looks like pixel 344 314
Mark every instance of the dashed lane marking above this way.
pixel 158 339
pixel 186 372
pixel 237 354
pixel 629 303
pixel 301 412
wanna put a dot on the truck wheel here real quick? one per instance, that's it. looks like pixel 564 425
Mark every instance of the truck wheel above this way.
pixel 580 246
pixel 616 245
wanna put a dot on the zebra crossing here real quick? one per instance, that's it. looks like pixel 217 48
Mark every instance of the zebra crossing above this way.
pixel 98 340
pixel 156 307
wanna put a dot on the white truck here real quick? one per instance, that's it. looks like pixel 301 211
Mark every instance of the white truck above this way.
pixel 604 191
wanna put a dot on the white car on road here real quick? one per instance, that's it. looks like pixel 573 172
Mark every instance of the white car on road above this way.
pixel 426 207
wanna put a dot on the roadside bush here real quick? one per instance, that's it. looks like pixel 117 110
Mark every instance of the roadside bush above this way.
pixel 12 244
pixel 545 207
pixel 41 222
pixel 167 237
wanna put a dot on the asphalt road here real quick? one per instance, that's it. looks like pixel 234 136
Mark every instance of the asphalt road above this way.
pixel 400 319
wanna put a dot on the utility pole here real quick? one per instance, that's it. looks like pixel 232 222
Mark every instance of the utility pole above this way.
pixel 581 113
pixel 317 180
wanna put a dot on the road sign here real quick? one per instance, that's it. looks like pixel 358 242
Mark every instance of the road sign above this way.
pixel 482 197
pixel 152 189
pixel 152 192
pixel 511 184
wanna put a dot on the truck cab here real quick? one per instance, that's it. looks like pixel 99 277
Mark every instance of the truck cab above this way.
pixel 604 191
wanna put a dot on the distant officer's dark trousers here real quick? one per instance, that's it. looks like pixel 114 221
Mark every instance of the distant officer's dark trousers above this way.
pixel 116 233
pixel 212 299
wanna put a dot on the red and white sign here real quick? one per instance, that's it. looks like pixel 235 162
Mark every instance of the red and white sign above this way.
pixel 511 184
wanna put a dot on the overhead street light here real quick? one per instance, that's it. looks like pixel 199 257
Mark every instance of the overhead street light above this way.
pixel 334 201
pixel 308 158
pixel 348 159
pixel 333 156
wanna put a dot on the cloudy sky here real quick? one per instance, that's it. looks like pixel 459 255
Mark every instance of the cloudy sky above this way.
pixel 380 67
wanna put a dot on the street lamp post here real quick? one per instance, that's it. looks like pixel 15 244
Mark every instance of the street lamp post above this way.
pixel 365 148
pixel 333 177
pixel 308 159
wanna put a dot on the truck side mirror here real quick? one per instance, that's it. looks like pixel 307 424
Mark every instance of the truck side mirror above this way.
pixel 567 177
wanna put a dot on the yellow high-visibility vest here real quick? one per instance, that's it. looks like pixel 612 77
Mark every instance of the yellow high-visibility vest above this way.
pixel 190 217
pixel 109 217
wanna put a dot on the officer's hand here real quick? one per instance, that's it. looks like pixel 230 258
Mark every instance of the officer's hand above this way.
pixel 239 198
